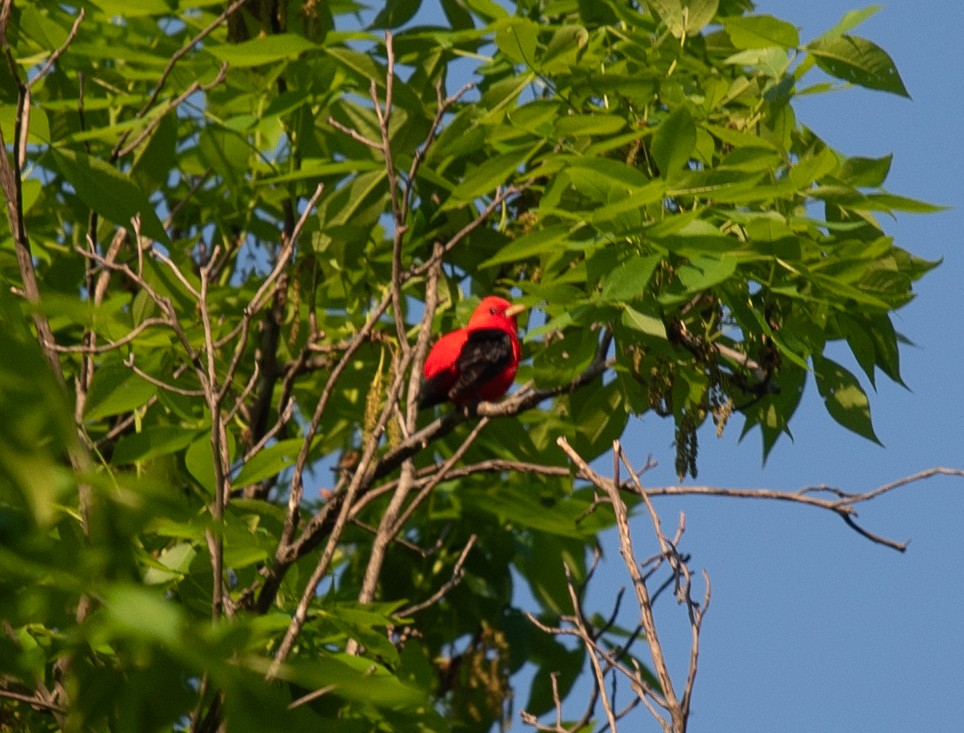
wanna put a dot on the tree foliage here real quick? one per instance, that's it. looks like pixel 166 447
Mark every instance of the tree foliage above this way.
pixel 231 229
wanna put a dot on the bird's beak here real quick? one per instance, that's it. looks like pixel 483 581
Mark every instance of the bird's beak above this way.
pixel 514 310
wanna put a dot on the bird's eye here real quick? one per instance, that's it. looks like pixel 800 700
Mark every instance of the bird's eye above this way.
pixel 493 310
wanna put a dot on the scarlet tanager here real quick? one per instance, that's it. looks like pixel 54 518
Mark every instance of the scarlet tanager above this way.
pixel 477 362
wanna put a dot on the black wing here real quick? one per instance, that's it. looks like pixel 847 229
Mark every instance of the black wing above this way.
pixel 434 391
pixel 486 353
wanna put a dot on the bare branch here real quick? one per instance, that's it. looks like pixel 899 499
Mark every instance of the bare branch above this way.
pixel 398 209
pixel 129 363
pixel 354 134
pixel 172 62
pixel 123 341
pixel 670 701
pixel 35 700
pixel 589 641
pixel 390 525
pixel 173 104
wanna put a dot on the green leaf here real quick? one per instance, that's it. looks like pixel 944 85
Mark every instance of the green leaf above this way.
pixel 116 390
pixel 685 17
pixel 172 564
pixel 674 142
pixel 633 202
pixel 891 202
pixel 108 191
pixel 533 244
pixel 865 172
pixel 874 343
pixel 703 272
pixel 121 8
pixel 200 460
pixel 264 50
pixel 150 443
pixel 517 38
pixel 650 325
pixel 458 17
pixel 526 510
pixel 858 61
pixel 596 124
pixel 843 397
pixel 360 63
pixel 599 417
pixel 598 177
pixel 226 151
pixel 629 280
pixel 153 161
pixel 269 462
pixel 770 60
pixel 562 51
pixel 485 177
pixel 760 31
pixel 139 613
pixel 395 13
pixel 851 19
pixel 488 10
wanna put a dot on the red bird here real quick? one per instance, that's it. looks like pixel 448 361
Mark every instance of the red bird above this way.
pixel 477 362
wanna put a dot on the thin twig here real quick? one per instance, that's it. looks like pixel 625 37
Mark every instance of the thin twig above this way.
pixel 590 643
pixel 172 62
pixel 123 341
pixel 398 211
pixel 354 134
pixel 671 702
pixel 173 104
pixel 453 581
pixel 81 14
pixel 129 363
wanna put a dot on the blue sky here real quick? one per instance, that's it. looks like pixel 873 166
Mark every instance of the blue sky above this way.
pixel 812 627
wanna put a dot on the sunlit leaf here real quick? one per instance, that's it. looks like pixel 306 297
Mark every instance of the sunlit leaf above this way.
pixel 266 50
pixel 647 324
pixel 760 31
pixel 685 17
pixel 858 61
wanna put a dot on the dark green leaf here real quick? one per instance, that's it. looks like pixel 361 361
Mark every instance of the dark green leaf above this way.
pixel 269 462
pixel 115 390
pixel 108 191
pixel 487 176
pixel 458 17
pixel 858 61
pixel 395 13
pixel 151 443
pixel 629 280
pixel 843 397
pixel 869 172
pixel 674 142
